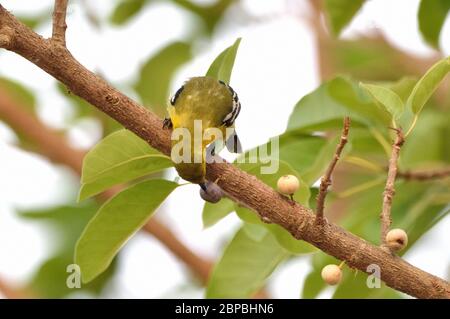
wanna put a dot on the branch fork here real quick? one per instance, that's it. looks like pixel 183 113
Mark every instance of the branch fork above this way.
pixel 59 22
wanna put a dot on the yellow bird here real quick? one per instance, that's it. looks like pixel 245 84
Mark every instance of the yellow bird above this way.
pixel 213 104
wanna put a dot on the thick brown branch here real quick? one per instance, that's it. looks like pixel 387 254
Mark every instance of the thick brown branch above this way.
pixel 326 179
pixel 239 185
pixel 389 190
pixel 424 175
pixel 59 22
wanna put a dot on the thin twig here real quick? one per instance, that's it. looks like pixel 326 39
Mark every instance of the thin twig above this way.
pixel 326 179
pixel 237 184
pixel 424 175
pixel 59 22
pixel 389 190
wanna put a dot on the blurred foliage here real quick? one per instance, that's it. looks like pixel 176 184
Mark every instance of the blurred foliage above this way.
pixel 395 88
pixel 25 98
pixel 66 224
pixel 341 12
pixel 367 58
pixel 19 93
pixel 126 10
pixel 155 75
pixel 209 14
pixel 36 20
pixel 432 14
pixel 212 213
pixel 82 109
pixel 426 86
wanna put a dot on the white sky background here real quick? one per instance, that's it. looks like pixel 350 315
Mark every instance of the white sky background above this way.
pixel 275 67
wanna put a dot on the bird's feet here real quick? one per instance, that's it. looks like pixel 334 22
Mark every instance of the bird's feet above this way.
pixel 167 123
pixel 210 192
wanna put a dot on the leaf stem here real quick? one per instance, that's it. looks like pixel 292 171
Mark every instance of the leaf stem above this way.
pixel 413 124
pixel 381 140
pixel 360 188
pixel 361 162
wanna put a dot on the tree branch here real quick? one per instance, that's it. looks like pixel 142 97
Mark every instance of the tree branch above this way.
pixel 424 175
pixel 389 190
pixel 240 186
pixel 11 292
pixel 59 22
pixel 326 179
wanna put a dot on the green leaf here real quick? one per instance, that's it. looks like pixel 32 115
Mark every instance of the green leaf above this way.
pixel 297 150
pixel 210 12
pixel 341 12
pixel 323 159
pixel 428 84
pixel 325 108
pixel 116 222
pixel 444 212
pixel 118 158
pixel 313 284
pixel 283 237
pixel 19 93
pixel 244 266
pixel 126 10
pixel 50 281
pixel 432 14
pixel 66 225
pixel 403 87
pixel 317 111
pixel 255 231
pixel 359 57
pixel 429 131
pixel 348 93
pixel 422 213
pixel 222 67
pixel 67 222
pixel 156 74
pixel 212 213
pixel 354 286
pixel 386 97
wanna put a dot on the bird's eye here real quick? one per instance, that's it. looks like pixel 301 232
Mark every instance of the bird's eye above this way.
pixel 176 95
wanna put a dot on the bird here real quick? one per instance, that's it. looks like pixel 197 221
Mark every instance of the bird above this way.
pixel 216 105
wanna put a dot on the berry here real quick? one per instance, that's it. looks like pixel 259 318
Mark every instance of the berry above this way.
pixel 288 184
pixel 396 239
pixel 331 274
